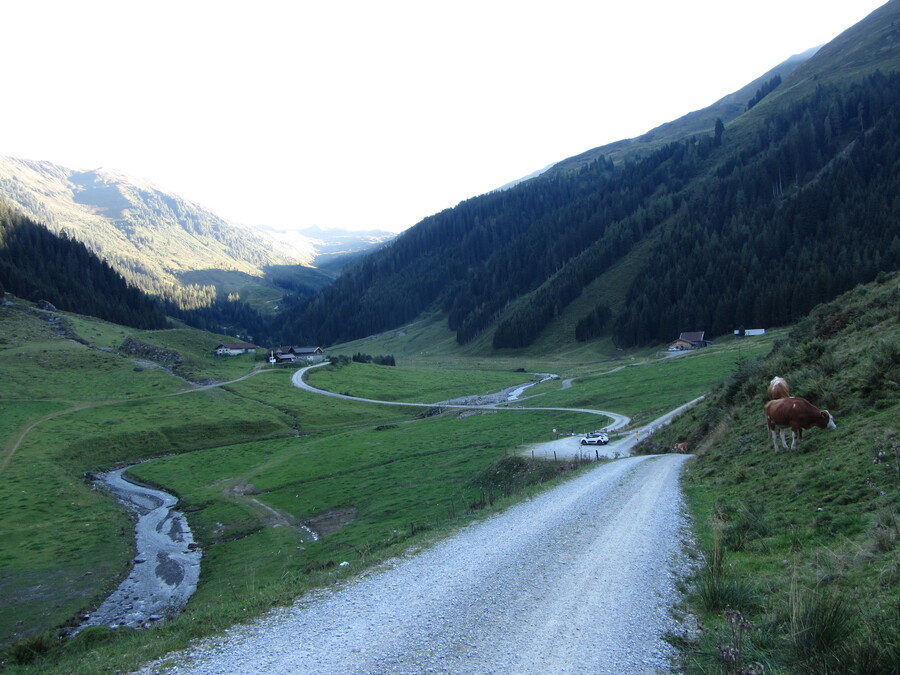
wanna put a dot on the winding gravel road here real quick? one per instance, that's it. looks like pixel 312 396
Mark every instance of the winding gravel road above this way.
pixel 617 421
pixel 581 579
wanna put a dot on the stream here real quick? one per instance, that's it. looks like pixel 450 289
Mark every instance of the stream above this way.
pixel 167 563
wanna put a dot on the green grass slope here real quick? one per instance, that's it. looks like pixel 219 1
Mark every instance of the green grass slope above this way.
pixel 802 561
pixel 69 406
pixel 252 459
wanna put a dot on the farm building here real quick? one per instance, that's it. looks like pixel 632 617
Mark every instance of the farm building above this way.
pixel 235 348
pixel 293 354
pixel 750 332
pixel 689 340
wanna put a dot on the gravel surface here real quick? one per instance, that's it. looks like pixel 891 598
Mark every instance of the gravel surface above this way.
pixel 580 579
pixel 618 446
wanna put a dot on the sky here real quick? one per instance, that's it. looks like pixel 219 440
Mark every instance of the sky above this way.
pixel 371 114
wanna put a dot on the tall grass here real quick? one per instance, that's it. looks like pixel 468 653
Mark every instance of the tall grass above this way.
pixel 747 524
pixel 717 586
pixel 815 530
pixel 820 623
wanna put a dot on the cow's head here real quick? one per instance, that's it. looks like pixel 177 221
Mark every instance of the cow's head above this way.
pixel 829 420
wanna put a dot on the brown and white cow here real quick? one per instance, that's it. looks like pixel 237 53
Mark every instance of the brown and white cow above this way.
pixel 681 447
pixel 798 414
pixel 778 388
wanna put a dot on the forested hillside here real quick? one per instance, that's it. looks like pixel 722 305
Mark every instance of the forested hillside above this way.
pixel 210 272
pixel 35 264
pixel 805 211
pixel 150 236
pixel 748 224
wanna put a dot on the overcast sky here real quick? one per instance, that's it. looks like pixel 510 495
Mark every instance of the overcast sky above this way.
pixel 368 114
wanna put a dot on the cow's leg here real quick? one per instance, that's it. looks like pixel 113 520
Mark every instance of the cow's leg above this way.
pixel 784 439
pixel 775 439
pixel 795 438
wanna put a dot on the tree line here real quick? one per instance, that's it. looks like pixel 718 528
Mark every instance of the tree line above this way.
pixel 746 231
pixel 734 230
pixel 36 264
pixel 805 212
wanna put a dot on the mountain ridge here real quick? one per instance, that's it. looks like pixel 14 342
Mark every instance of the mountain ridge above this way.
pixel 157 239
pixel 503 267
pixel 508 263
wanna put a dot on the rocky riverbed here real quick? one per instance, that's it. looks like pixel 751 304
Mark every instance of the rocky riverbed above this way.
pixel 166 567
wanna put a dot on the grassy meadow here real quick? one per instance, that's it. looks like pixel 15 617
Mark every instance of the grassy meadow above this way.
pixel 801 563
pixel 254 460
pixel 645 389
pixel 413 384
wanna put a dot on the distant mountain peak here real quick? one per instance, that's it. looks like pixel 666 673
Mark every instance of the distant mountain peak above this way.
pixel 154 237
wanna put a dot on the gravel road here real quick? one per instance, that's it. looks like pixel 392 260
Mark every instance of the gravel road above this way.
pixel 483 402
pixel 580 579
pixel 621 446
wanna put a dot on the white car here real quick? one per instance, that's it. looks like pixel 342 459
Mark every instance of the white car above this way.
pixel 595 439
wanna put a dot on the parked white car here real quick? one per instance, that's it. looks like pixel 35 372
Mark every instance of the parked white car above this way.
pixel 596 438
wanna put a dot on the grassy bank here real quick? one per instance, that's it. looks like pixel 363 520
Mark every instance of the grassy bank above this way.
pixel 801 566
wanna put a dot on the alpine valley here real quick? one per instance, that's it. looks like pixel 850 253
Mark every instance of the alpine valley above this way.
pixel 123 309
pixel 203 268
pixel 745 214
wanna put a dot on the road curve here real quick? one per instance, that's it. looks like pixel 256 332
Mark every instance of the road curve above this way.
pixel 581 579
pixel 618 421
pixel 570 446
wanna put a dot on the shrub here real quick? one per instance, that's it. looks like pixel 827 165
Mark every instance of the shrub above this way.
pixel 506 474
pixel 827 393
pixel 886 529
pixel 880 380
pixel 91 637
pixel 512 473
pixel 812 351
pixel 649 446
pixel 387 360
pixel 875 650
pixel 30 649
pixel 746 379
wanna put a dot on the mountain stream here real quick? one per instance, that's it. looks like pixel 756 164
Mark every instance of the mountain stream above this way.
pixel 167 564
